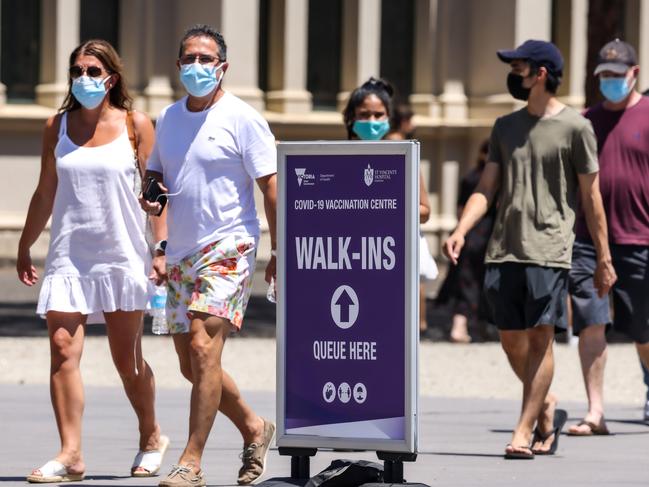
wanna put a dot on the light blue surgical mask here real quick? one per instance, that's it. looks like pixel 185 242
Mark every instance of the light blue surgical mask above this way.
pixel 88 91
pixel 371 129
pixel 199 80
pixel 615 89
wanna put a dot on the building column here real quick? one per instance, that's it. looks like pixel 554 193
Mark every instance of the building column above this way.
pixel 453 52
pixel 423 98
pixel 361 45
pixel 288 39
pixel 159 54
pixel 643 46
pixel 492 30
pixel 60 35
pixel 572 40
pixel 242 78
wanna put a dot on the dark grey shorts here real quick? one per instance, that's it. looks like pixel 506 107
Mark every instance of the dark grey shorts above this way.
pixel 522 296
pixel 630 293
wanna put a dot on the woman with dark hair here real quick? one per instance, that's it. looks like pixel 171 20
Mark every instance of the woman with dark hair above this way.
pixel 96 267
pixel 367 117
pixel 462 288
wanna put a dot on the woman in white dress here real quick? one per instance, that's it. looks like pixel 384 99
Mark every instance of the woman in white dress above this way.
pixel 96 267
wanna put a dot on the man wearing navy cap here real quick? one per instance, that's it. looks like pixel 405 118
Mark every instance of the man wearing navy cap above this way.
pixel 621 124
pixel 540 157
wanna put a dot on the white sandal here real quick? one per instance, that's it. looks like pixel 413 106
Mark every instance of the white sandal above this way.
pixel 54 471
pixel 150 461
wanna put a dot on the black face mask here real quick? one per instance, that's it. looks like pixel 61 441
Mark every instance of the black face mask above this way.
pixel 515 87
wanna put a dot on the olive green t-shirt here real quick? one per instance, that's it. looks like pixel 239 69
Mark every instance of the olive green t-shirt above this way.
pixel 539 160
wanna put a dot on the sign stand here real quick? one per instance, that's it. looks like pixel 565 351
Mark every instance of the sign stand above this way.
pixel 393 464
pixel 300 461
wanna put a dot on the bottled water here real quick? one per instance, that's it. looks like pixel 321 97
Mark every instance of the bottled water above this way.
pixel 158 303
pixel 271 294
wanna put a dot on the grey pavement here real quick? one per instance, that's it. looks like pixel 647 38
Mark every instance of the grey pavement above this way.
pixel 461 443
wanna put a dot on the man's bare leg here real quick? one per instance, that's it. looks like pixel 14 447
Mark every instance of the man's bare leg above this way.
pixel 592 354
pixel 530 356
pixel 205 342
pixel 232 405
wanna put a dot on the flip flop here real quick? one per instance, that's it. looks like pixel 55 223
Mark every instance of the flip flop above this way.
pixel 151 460
pixel 593 429
pixel 54 472
pixel 558 422
pixel 521 453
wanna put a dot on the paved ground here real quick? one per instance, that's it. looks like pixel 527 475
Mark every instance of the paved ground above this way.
pixel 461 441
pixel 469 401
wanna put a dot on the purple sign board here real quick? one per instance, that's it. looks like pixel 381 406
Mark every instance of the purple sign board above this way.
pixel 347 295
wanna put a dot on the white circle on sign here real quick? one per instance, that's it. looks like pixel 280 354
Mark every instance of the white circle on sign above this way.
pixel 344 392
pixel 344 307
pixel 329 392
pixel 360 393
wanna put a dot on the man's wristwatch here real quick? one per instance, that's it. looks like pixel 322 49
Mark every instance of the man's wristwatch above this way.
pixel 160 247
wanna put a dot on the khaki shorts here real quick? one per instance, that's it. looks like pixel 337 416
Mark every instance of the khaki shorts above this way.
pixel 215 280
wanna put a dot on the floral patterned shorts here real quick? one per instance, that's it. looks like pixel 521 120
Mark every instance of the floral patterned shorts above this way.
pixel 215 280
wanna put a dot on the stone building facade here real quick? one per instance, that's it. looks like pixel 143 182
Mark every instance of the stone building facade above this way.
pixel 295 61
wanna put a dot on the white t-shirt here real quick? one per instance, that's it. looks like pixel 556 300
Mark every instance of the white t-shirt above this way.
pixel 211 158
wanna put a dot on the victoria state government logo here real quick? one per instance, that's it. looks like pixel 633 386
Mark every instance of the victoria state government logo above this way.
pixel 369 175
pixel 304 177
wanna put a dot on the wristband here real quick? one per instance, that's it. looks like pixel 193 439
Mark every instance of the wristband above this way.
pixel 273 253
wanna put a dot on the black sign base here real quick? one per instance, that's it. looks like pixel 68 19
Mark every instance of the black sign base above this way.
pixel 393 466
pixel 300 461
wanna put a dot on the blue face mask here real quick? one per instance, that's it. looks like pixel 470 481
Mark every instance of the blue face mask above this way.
pixel 88 91
pixel 615 89
pixel 199 80
pixel 371 129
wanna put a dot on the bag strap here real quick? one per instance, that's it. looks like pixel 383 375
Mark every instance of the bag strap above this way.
pixel 132 136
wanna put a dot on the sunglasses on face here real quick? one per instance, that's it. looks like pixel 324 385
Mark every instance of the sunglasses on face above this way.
pixel 92 71
pixel 202 59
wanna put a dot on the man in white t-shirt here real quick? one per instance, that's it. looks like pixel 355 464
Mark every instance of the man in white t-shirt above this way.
pixel 211 149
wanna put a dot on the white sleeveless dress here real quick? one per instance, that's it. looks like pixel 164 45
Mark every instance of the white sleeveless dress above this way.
pixel 98 258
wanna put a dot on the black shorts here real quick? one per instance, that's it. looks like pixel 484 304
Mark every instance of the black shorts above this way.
pixel 630 292
pixel 522 296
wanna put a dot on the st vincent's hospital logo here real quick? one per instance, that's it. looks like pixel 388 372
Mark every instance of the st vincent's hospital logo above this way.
pixel 375 176
pixel 303 177
pixel 369 175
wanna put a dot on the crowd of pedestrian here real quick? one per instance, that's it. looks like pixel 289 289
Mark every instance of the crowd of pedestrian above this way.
pixel 107 180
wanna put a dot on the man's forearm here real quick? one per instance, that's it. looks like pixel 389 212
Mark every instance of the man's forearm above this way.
pixel 475 208
pixel 596 221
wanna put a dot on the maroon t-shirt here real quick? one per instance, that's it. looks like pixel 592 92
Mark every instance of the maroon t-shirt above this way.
pixel 623 148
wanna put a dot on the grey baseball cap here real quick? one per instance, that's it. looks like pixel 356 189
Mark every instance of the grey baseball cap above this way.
pixel 616 56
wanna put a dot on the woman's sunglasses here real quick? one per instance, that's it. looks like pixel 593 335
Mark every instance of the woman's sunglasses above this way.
pixel 92 71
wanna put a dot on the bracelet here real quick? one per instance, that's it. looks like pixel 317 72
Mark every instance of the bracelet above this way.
pixel 273 253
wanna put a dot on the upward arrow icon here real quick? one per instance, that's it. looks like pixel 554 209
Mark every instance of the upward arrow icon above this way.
pixel 344 301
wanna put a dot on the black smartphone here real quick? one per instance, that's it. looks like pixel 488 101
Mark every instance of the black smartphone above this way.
pixel 153 193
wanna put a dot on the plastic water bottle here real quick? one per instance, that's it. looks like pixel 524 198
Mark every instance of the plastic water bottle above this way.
pixel 271 294
pixel 158 303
